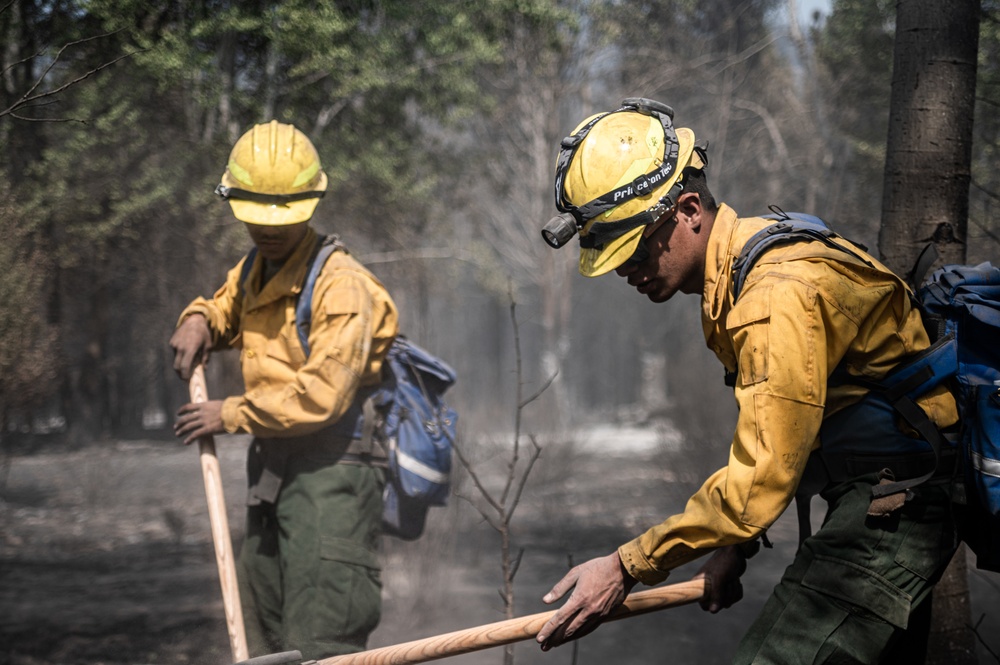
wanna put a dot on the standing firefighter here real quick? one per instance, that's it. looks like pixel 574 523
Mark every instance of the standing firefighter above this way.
pixel 635 190
pixel 308 570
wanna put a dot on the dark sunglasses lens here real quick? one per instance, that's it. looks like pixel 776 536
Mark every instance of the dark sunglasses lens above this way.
pixel 640 254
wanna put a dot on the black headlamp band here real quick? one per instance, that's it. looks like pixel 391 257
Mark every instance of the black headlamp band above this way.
pixel 605 232
pixel 274 199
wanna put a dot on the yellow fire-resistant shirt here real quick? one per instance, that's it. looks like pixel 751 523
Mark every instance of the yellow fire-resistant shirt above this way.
pixel 354 321
pixel 804 307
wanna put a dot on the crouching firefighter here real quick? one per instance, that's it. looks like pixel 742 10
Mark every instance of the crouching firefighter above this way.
pixel 308 569
pixel 807 324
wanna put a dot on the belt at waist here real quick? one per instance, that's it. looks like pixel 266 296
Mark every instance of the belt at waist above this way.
pixel 268 459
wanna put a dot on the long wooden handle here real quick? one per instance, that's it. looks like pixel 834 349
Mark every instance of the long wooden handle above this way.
pixel 512 630
pixel 220 528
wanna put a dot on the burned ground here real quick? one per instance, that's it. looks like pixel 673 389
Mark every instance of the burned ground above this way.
pixel 106 558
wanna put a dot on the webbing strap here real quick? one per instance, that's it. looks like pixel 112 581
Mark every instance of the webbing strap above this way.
pixel 326 246
pixel 788 230
pixel 912 378
pixel 917 419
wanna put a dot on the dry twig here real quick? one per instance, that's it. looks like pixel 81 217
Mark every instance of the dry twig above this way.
pixel 498 508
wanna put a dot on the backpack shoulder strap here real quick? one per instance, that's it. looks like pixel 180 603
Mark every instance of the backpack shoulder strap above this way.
pixel 790 227
pixel 247 266
pixel 326 246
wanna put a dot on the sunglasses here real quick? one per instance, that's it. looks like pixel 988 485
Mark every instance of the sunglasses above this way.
pixel 641 252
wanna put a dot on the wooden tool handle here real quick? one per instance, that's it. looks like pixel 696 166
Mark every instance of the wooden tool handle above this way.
pixel 512 630
pixel 220 528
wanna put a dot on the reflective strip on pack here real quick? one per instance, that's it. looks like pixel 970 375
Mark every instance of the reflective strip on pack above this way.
pixel 986 465
pixel 418 468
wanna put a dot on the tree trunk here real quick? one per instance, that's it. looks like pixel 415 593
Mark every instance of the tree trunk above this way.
pixel 927 166
pixel 952 641
pixel 926 199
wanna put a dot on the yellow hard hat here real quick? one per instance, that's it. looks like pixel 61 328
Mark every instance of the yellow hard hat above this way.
pixel 616 173
pixel 273 177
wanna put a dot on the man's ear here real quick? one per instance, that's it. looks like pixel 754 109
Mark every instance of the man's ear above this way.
pixel 689 210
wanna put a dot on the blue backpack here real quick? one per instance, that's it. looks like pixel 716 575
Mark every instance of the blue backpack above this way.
pixel 406 415
pixel 960 307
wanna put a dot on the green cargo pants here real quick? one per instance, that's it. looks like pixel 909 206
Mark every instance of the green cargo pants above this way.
pixel 308 570
pixel 848 596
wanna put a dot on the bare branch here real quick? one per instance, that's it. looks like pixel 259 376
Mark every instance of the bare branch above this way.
pixel 328 113
pixel 516 564
pixel 975 631
pixel 987 101
pixel 21 62
pixel 69 84
pixel 523 480
pixel 27 119
pixel 512 466
pixel 491 520
pixel 29 96
pixel 744 55
pixel 514 485
pixel 475 479
pixel 772 128
pixel 993 195
pixel 545 386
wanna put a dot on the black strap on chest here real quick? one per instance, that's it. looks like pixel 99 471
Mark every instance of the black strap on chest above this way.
pixel 790 227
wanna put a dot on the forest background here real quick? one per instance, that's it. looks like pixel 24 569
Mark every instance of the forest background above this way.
pixel 437 123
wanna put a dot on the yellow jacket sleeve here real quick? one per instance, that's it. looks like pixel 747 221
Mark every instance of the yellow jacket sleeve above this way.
pixel 786 336
pixel 223 311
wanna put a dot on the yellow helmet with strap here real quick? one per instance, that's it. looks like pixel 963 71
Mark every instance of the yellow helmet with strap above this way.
pixel 617 173
pixel 274 176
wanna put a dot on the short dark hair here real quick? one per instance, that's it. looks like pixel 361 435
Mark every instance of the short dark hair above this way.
pixel 696 181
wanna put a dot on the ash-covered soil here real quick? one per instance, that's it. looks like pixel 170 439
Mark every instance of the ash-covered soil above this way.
pixel 106 557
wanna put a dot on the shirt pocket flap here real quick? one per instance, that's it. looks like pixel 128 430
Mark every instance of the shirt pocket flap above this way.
pixel 287 349
pixel 347 298
pixel 752 306
pixel 748 323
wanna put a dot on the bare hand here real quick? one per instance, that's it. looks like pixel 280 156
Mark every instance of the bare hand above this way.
pixel 191 343
pixel 197 420
pixel 599 587
pixel 722 570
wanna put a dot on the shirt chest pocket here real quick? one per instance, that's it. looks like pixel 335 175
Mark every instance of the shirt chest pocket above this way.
pixel 282 343
pixel 286 348
pixel 748 324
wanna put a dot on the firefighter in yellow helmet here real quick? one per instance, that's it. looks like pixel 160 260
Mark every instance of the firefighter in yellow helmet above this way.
pixel 308 568
pixel 634 190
